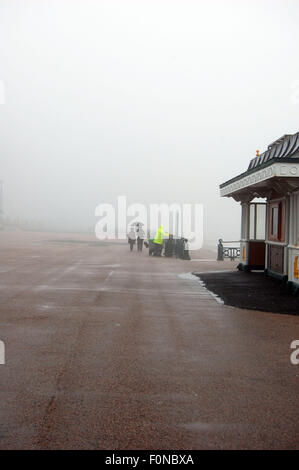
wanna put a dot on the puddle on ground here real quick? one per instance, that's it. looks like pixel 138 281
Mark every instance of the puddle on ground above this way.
pixel 193 277
pixel 188 276
pixel 212 427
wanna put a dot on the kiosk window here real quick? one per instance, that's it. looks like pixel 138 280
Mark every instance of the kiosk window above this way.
pixel 274 222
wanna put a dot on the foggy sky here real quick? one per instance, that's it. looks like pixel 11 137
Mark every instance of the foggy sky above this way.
pixel 160 101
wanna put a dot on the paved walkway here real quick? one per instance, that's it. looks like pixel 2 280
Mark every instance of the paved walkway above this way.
pixel 107 349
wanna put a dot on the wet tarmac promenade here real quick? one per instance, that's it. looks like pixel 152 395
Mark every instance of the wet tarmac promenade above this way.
pixel 107 349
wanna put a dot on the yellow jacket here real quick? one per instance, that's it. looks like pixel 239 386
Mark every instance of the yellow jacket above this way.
pixel 160 235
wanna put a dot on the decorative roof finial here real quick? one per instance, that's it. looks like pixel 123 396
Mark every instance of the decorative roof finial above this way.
pixel 257 153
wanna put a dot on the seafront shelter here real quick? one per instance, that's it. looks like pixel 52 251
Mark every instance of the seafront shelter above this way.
pixel 269 195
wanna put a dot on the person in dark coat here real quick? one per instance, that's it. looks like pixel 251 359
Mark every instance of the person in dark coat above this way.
pixel 131 239
pixel 186 250
pixel 170 246
pixel 140 238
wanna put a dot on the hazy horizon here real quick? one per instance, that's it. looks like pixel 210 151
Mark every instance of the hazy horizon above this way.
pixel 160 101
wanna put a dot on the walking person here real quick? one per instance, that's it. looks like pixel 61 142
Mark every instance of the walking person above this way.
pixel 140 238
pixel 131 239
pixel 186 249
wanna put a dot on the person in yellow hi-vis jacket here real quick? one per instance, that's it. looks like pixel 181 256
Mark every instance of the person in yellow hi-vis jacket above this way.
pixel 158 240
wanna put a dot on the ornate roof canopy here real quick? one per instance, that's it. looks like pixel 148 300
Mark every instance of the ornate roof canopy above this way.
pixel 274 171
pixel 285 147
